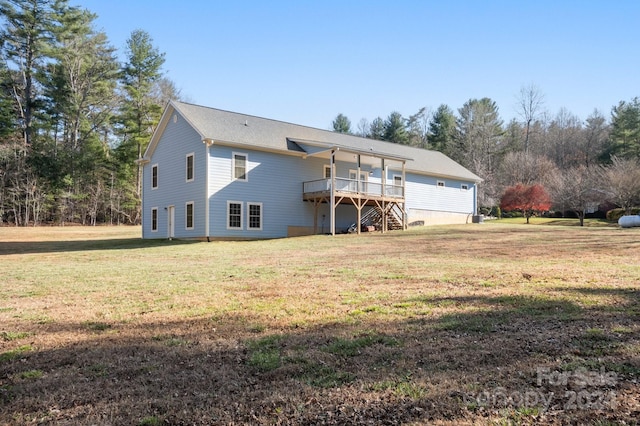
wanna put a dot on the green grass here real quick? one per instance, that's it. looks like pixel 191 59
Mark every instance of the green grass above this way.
pixel 354 346
pixel 402 387
pixel 460 323
pixel 15 353
pixel 322 376
pixel 171 341
pixel 265 353
pixel 8 336
pixel 98 326
pixel 150 421
pixel 96 370
pixel 31 374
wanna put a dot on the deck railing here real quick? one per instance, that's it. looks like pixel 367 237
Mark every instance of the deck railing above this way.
pixel 354 186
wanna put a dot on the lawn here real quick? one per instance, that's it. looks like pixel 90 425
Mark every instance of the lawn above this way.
pixel 588 223
pixel 479 324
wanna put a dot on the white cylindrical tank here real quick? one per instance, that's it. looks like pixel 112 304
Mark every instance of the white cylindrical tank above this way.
pixel 629 221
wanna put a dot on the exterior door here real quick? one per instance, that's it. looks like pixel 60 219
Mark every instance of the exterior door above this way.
pixel 360 185
pixel 171 220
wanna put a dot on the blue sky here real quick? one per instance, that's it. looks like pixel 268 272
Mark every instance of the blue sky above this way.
pixel 306 61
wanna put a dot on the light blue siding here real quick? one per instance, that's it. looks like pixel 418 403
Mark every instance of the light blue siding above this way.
pixel 178 140
pixel 423 193
pixel 272 179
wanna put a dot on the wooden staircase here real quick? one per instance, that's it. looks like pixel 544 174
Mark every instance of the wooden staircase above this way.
pixel 373 217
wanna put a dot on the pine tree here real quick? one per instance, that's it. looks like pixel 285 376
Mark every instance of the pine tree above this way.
pixel 376 130
pixel 140 112
pixel 26 44
pixel 395 129
pixel 442 130
pixel 341 124
pixel 625 129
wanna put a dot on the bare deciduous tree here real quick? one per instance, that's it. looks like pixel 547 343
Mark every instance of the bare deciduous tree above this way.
pixel 576 189
pixel 363 128
pixel 621 182
pixel 563 140
pixel 418 127
pixel 530 104
pixel 165 90
pixel 525 168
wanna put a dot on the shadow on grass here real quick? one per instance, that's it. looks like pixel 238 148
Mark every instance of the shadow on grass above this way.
pixel 29 247
pixel 631 295
pixel 237 369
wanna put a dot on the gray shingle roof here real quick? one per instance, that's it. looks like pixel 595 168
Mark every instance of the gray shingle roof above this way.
pixel 261 133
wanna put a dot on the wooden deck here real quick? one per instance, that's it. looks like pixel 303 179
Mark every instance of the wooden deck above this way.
pixel 387 200
pixel 350 188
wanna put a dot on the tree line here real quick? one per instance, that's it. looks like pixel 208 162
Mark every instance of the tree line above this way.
pixel 584 165
pixel 73 119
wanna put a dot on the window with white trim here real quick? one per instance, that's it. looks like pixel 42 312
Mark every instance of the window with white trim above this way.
pixel 154 219
pixel 440 184
pixel 239 166
pixel 190 167
pixel 254 216
pixel 189 215
pixel 326 172
pixel 154 176
pixel 234 215
pixel 464 186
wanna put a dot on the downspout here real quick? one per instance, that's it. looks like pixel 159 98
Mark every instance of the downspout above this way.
pixel 142 203
pixel 207 143
pixel 475 199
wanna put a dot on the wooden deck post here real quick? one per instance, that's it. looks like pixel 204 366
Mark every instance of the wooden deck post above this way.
pixel 315 216
pixel 333 192
pixel 359 189
pixel 383 180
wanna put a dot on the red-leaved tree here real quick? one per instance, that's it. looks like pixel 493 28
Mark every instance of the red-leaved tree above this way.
pixel 528 199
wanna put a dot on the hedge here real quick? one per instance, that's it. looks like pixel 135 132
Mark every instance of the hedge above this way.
pixel 614 214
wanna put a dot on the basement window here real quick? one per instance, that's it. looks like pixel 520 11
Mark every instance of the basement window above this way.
pixel 154 219
pixel 189 215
